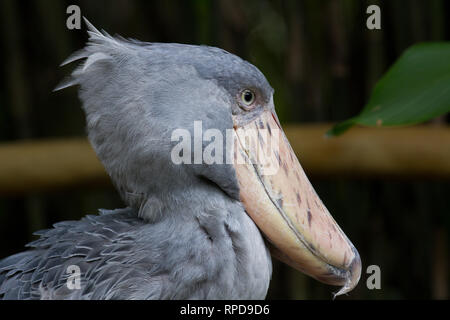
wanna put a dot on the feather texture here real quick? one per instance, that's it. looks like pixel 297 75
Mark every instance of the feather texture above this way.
pixel 122 257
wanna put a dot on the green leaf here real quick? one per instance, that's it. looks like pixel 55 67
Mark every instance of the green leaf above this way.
pixel 415 89
pixel 341 127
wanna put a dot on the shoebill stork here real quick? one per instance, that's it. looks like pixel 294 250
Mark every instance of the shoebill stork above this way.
pixel 192 230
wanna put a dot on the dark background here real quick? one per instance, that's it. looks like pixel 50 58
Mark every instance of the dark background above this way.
pixel 322 62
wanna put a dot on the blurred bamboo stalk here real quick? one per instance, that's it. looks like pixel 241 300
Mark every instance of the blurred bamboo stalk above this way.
pixel 19 93
pixel 413 152
pixel 440 265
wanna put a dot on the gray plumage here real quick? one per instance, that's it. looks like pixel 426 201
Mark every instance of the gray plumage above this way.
pixel 185 234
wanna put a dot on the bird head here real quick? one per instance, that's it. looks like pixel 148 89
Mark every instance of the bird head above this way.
pixel 167 118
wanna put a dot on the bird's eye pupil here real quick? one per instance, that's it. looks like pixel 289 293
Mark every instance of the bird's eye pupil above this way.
pixel 248 97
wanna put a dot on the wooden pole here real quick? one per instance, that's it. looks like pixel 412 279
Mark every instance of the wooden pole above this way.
pixel 35 166
pixel 410 153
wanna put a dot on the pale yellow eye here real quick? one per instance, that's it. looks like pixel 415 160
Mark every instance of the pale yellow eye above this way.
pixel 247 97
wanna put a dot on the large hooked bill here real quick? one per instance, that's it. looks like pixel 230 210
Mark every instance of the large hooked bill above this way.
pixel 279 198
